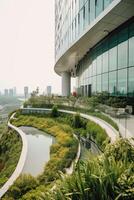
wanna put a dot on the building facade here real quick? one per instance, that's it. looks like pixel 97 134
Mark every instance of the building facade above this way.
pixel 26 92
pixel 49 90
pixel 95 44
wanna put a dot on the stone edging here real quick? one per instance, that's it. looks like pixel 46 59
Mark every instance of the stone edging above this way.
pixel 21 161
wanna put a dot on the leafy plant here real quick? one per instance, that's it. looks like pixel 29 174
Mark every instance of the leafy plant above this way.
pixel 54 112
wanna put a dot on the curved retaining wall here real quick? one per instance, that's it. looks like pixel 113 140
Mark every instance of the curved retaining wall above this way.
pixel 21 162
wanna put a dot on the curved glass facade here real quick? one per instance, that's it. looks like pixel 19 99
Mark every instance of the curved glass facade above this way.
pixel 109 66
pixel 72 17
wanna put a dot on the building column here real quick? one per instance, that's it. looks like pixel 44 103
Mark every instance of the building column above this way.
pixel 66 83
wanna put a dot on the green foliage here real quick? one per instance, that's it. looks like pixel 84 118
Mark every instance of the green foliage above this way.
pixel 97 134
pixel 10 149
pixel 101 178
pixel 54 112
pixel 22 185
pixel 77 121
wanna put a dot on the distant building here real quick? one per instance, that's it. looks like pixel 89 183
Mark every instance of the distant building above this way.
pixel 11 92
pixel 49 90
pixel 26 92
pixel 6 92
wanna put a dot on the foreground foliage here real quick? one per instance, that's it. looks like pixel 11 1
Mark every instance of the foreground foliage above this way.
pixel 10 149
pixel 107 177
pixel 110 176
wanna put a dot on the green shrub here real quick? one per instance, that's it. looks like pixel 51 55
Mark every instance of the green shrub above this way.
pixel 77 121
pixel 10 149
pixel 96 133
pixel 22 185
pixel 54 112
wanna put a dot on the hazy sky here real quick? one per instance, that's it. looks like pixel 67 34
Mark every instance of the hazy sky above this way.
pixel 27 44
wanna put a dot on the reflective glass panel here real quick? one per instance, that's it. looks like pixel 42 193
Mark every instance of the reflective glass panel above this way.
pixel 113 82
pixel 99 83
pixel 131 81
pixel 98 7
pixel 122 82
pixel 131 45
pixel 105 82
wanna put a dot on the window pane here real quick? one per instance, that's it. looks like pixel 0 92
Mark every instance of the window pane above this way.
pixel 98 6
pixel 122 55
pixel 106 3
pixel 105 82
pixel 99 83
pixel 94 67
pixel 99 64
pixel 131 45
pixel 105 62
pixel 113 82
pixel 94 84
pixel 113 58
pixel 131 82
pixel 122 48
pixel 92 10
pixel 86 14
pixel 122 82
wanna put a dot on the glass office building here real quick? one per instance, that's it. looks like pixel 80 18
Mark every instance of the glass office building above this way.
pixel 94 42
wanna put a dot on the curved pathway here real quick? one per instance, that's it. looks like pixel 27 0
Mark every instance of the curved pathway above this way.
pixel 21 161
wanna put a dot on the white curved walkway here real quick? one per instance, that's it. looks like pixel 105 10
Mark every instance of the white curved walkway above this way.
pixel 21 162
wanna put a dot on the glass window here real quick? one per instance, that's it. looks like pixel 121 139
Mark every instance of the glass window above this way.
pixel 105 62
pixel 122 82
pixel 131 81
pixel 113 82
pixel 81 21
pixel 99 83
pixel 113 52
pixel 92 10
pixel 106 3
pixel 94 84
pixel 99 64
pixel 94 67
pixel 122 48
pixel 86 14
pixel 98 6
pixel 105 82
pixel 131 45
pixel 105 56
pixel 113 58
pixel 122 55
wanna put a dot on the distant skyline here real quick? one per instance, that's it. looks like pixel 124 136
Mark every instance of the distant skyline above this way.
pixel 27 45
